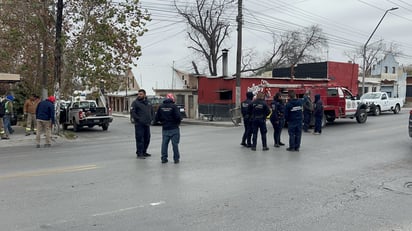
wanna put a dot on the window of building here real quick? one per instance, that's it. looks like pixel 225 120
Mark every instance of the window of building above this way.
pixel 393 70
pixel 386 69
pixel 225 94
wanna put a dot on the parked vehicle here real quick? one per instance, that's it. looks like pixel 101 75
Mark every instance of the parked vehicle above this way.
pixel 85 113
pixel 410 124
pixel 379 102
pixel 156 101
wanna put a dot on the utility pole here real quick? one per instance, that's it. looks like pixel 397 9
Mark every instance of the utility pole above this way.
pixel 365 46
pixel 58 58
pixel 239 20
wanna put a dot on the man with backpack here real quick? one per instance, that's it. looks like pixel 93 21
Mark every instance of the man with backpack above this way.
pixel 8 114
pixel 3 134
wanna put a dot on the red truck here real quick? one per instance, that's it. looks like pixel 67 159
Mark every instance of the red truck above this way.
pixel 338 101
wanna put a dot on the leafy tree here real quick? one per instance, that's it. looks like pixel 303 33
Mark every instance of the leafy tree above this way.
pixel 100 41
pixel 207 28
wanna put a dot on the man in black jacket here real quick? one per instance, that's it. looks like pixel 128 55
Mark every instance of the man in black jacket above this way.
pixel 169 116
pixel 142 113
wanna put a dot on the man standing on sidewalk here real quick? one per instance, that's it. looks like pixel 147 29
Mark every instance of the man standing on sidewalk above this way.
pixel 29 110
pixel 45 120
pixel 169 116
pixel 142 113
pixel 9 114
pixel 2 112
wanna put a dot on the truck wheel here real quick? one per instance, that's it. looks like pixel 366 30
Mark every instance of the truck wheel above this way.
pixel 76 127
pixel 105 127
pixel 397 109
pixel 377 111
pixel 362 116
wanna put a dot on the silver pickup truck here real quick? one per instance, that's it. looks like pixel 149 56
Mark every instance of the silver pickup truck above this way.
pixel 85 113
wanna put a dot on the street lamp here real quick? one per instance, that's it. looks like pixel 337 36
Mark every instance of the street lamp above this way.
pixel 366 44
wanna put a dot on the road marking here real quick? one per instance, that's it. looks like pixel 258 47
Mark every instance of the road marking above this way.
pixel 127 209
pixel 50 171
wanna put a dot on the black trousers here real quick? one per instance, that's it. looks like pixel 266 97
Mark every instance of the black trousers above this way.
pixel 142 136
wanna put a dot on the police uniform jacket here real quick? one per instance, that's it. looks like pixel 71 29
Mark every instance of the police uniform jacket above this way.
pixel 293 111
pixel 259 110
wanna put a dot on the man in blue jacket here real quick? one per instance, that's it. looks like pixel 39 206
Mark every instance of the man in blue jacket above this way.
pixel 45 120
pixel 169 116
pixel 142 113
pixel 293 115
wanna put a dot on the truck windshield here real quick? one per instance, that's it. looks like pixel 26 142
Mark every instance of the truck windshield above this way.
pixel 371 95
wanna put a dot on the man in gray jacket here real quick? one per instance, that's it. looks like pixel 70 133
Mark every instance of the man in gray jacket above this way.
pixel 142 113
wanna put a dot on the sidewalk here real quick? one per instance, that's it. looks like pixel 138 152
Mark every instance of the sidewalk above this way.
pixel 19 138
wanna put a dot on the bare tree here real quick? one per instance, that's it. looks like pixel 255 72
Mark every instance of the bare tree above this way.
pixel 291 48
pixel 374 52
pixel 208 28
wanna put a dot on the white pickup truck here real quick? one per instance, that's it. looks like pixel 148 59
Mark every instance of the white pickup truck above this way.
pixel 378 102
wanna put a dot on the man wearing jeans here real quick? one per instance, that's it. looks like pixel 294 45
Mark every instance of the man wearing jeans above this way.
pixel 169 116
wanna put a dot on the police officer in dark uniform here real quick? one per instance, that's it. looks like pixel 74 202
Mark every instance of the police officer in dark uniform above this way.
pixel 293 115
pixel 258 111
pixel 277 118
pixel 247 134
pixel 142 113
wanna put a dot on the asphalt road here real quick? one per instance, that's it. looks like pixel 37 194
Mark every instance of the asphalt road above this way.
pixel 352 177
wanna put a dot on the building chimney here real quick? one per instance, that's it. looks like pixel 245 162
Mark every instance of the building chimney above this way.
pixel 224 61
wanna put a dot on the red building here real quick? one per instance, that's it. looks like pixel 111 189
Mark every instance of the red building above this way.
pixel 217 95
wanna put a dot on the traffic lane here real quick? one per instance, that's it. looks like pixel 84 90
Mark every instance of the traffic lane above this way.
pixel 232 178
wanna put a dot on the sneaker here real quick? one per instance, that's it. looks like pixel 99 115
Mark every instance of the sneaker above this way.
pixel 140 157
pixel 164 161
pixel 147 154
pixel 47 145
pixel 281 144
pixel 177 161
pixel 277 146
pixel 265 148
pixel 243 144
pixel 253 148
pixel 296 149
pixel 37 145
pixel 27 134
pixel 316 133
pixel 5 138
pixel 290 149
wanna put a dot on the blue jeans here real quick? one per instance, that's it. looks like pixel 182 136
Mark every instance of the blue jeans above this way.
pixel 142 136
pixel 174 136
pixel 7 124
pixel 295 135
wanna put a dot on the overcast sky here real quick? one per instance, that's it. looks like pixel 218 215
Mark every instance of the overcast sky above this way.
pixel 346 24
